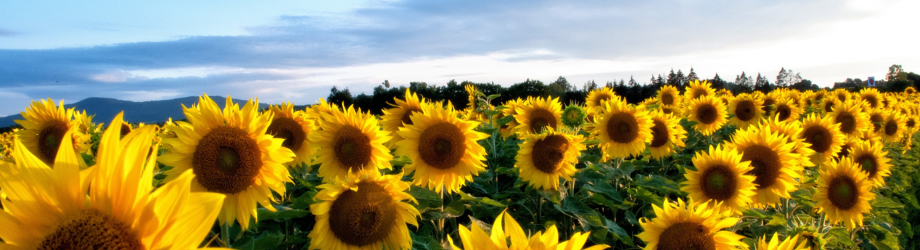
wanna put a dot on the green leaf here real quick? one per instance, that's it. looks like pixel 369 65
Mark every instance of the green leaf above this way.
pixel 604 188
pixel 282 213
pixel 456 208
pixel 619 233
pixel 401 160
pixel 841 235
pixel 777 220
pixel 267 240
pixel 466 197
pixel 504 120
pixel 882 202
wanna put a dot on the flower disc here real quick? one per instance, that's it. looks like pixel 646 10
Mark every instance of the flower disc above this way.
pixel 350 140
pixel 623 130
pixel 721 177
pixel 709 113
pixel 843 192
pixel 893 126
pixel 226 160
pixel 873 160
pixel 823 135
pixel 689 226
pixel 91 229
pixel 45 126
pixel 544 158
pixel 747 110
pixel 442 145
pixel 668 95
pixel 775 166
pixel 537 114
pixel 871 96
pixel 666 134
pixel 851 118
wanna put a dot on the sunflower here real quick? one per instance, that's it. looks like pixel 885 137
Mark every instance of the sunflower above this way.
pixel 689 226
pixel 394 118
pixel 506 230
pixel 876 118
pixel 709 113
pixel 666 133
pixel 775 244
pixel 910 90
pixel 294 128
pixel 597 97
pixel 443 148
pixel 768 103
pixel 573 116
pixel 696 89
pixel 545 157
pixel 775 165
pixel 786 109
pixel 350 140
pixel 668 95
pixel 844 192
pixel 538 113
pixel 363 212
pixel 44 128
pixel 848 143
pixel 842 95
pixel 828 104
pixel 872 158
pixel 229 152
pixel 792 130
pixel 823 135
pixel 622 130
pixel 871 96
pixel 851 118
pixel 746 109
pixel 317 111
pixel 510 109
pixel 673 110
pixel 49 208
pixel 910 124
pixel 721 178
pixel 893 126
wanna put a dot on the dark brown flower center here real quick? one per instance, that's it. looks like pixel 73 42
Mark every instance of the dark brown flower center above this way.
pixel 868 163
pixel 90 229
pixel 659 134
pixel 289 130
pixel 876 120
pixel 549 153
pixel 352 148
pixel 686 235
pixel 891 128
pixel 847 122
pixel 698 92
pixel 667 98
pixel 766 163
pixel 707 113
pixel 911 123
pixel 49 140
pixel 226 160
pixel 601 98
pixel 442 145
pixel 540 119
pixel 829 106
pixel 125 129
pixel 844 151
pixel 783 111
pixel 719 183
pixel 406 117
pixel 873 102
pixel 745 110
pixel 766 105
pixel 622 127
pixel 819 137
pixel 363 217
pixel 842 97
pixel 843 192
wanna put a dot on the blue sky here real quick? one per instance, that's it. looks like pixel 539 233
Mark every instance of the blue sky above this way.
pixel 297 50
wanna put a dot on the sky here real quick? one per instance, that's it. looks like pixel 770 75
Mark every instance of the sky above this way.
pixel 297 50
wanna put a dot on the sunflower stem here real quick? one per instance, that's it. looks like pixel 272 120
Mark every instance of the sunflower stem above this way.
pixel 441 233
pixel 225 234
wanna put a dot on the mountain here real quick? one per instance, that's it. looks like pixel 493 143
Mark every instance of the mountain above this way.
pixel 135 112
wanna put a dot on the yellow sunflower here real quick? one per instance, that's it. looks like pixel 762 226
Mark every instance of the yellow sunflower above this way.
pixel 363 212
pixel 910 124
pixel 510 109
pixel 842 95
pixel 785 109
pixel 317 111
pixel 787 244
pixel 791 130
pixel 57 208
pixel 853 122
pixel 844 192
pixel 545 157
pixel 597 97
pixel 721 178
pixel 506 230
pixel 828 104
pixel 848 144
pixel 910 90
pixel 871 96
pixel 668 95
pixel 443 148
pixel 538 113
pixel 872 158
pixel 666 134
pixel 876 118
pixel 229 152
pixel 696 89
pixel 775 166
pixel 294 128
pixel 823 135
pixel 394 118
pixel 747 110
pixel 689 226
pixel 45 126
pixel 708 112
pixel 622 130
pixel 671 110
pixel 893 126
pixel 768 103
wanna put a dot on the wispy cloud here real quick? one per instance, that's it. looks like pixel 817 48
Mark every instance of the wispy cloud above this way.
pixel 6 32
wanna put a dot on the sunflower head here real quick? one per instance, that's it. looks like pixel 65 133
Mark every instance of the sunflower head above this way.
pixel 350 140
pixel 689 225
pixel 668 95
pixel 666 134
pixel 775 166
pixel 823 135
pixel 294 128
pixel 363 212
pixel 508 234
pixel 697 89
pixel 844 192
pixel 872 159
pixel 852 120
pixel 443 148
pixel 45 127
pixel 545 157
pixel 828 104
pixel 597 97
pixel 573 116
pixel 395 117
pixel 746 109
pixel 229 152
pixel 709 113
pixel 871 96
pixel 537 114
pixel 893 126
pixel 721 178
pixel 622 129
pixel 910 90
pixel 786 109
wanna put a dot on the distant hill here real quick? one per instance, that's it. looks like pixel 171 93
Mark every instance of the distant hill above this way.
pixel 105 109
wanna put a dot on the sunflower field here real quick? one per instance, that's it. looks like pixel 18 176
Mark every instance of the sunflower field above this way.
pixel 697 168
